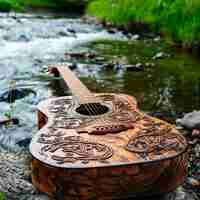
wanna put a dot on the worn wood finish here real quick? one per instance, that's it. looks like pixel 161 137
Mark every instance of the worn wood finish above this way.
pixel 119 154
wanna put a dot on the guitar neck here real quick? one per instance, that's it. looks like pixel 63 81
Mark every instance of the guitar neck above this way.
pixel 77 88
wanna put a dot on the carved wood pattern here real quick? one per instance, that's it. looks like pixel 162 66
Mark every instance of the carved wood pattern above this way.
pixel 74 148
pixel 155 141
pixel 66 116
pixel 148 140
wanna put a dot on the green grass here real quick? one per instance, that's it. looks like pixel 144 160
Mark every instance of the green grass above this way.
pixel 178 19
pixel 22 5
pixel 2 196
pixel 8 5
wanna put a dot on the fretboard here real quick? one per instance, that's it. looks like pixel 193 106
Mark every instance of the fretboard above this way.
pixel 77 88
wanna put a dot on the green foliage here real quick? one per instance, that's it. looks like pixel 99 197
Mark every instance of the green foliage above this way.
pixel 2 196
pixel 8 5
pixel 21 5
pixel 5 6
pixel 179 19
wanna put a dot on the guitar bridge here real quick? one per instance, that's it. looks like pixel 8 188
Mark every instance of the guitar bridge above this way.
pixel 105 129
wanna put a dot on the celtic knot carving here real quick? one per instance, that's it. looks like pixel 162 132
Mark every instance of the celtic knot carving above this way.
pixel 74 149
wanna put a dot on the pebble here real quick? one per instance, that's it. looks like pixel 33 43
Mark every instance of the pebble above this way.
pixel 157 39
pixel 73 66
pixel 190 120
pixel 112 31
pixel 150 64
pixel 196 133
pixel 80 55
pixel 193 182
pixel 99 59
pixel 161 55
pixel 63 33
pixel 137 67
pixel 12 95
pixel 109 66
pixel 23 38
pixel 135 37
pixel 24 143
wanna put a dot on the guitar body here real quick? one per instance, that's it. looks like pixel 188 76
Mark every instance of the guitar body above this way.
pixel 102 147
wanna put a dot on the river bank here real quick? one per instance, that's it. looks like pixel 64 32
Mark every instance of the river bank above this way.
pixel 178 21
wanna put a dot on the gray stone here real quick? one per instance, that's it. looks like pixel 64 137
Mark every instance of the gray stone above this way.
pixel 161 55
pixel 23 38
pixel 15 175
pixel 193 182
pixel 150 64
pixel 157 39
pixel 135 37
pixel 137 67
pixel 190 120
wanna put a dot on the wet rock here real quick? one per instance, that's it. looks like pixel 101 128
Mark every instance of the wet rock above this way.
pixel 73 66
pixel 150 64
pixel 23 38
pixel 37 62
pixel 109 66
pixel 196 133
pixel 112 30
pixel 99 59
pixel 24 143
pixel 12 95
pixel 15 175
pixel 72 31
pixel 192 182
pixel 181 194
pixel 6 121
pixel 136 68
pixel 190 120
pixel 80 55
pixel 178 194
pixel 63 34
pixel 135 37
pixel 161 55
pixel 157 39
pixel 193 142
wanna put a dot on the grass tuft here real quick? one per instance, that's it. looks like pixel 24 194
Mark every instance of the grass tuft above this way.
pixel 179 19
pixel 2 196
pixel 22 5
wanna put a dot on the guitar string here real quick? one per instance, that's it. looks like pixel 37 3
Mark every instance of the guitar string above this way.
pixel 92 109
pixel 95 108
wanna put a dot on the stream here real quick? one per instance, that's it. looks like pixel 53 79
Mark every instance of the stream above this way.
pixel 165 81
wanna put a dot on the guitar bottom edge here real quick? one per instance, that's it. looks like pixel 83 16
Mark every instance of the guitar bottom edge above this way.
pixel 114 182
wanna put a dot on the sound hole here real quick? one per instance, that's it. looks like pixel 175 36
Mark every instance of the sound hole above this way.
pixel 92 109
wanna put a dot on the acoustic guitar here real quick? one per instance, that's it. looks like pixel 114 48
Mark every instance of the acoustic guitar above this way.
pixel 101 146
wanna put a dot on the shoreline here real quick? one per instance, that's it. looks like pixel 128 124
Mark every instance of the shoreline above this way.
pixel 150 17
